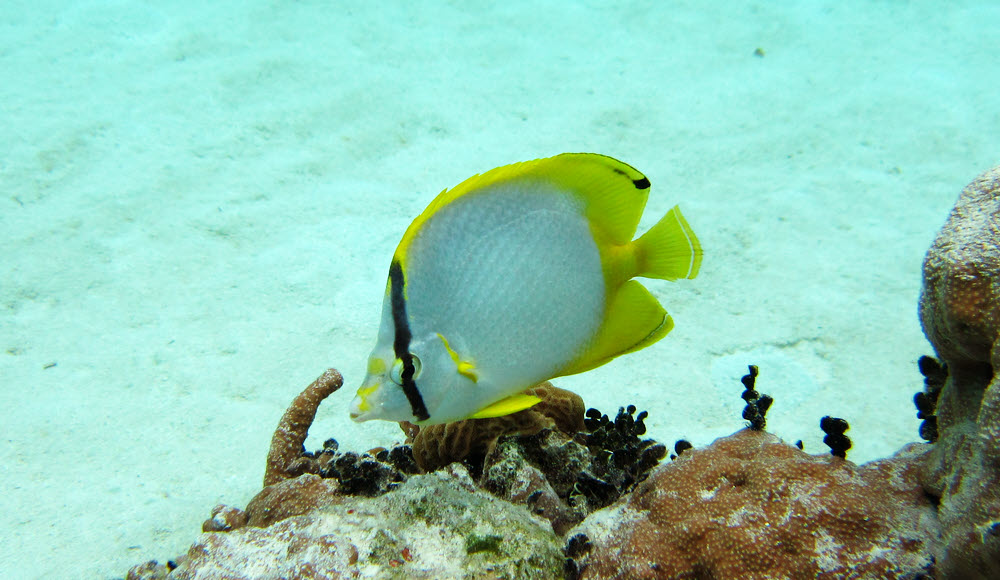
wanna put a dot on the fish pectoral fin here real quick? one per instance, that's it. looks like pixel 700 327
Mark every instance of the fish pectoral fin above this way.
pixel 511 404
pixel 635 320
pixel 464 367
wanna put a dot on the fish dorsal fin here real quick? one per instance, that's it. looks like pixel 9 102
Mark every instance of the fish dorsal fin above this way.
pixel 635 320
pixel 464 367
pixel 612 193
pixel 511 404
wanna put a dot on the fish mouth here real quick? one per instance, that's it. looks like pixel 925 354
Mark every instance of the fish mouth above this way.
pixel 355 412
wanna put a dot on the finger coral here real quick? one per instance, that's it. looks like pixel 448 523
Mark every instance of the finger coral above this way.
pixel 752 507
pixel 286 444
pixel 435 446
pixel 960 313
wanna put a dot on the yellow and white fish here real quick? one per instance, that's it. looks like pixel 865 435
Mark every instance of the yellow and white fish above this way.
pixel 516 276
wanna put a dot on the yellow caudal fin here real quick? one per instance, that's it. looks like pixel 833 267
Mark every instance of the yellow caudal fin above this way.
pixel 669 250
pixel 511 404
pixel 635 320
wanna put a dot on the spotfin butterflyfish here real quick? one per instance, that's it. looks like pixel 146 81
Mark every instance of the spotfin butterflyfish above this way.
pixel 517 276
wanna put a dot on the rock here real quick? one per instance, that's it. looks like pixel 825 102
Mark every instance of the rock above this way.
pixel 432 526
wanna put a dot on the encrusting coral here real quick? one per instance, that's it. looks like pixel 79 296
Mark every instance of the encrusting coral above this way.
pixel 960 313
pixel 752 507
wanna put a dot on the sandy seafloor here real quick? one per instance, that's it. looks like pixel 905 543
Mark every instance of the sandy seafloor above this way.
pixel 200 201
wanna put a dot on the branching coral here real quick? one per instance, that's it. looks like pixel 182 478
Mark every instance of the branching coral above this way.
pixel 286 443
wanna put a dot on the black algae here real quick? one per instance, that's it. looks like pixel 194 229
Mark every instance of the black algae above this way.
pixel 620 457
pixel 935 375
pixel 757 404
pixel 368 474
pixel 577 548
pixel 835 438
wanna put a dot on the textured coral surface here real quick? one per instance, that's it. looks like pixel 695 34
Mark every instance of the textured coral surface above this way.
pixel 960 302
pixel 286 443
pixel 960 312
pixel 435 446
pixel 752 507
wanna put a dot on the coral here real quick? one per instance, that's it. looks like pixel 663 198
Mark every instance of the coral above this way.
pixel 749 506
pixel 286 443
pixel 290 498
pixel 960 301
pixel 960 314
pixel 435 446
pixel 432 526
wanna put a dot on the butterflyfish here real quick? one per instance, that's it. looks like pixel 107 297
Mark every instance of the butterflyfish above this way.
pixel 516 276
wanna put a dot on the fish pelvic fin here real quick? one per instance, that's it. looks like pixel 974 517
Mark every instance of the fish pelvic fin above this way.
pixel 511 404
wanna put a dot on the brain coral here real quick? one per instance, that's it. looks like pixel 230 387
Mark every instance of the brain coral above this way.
pixel 960 313
pixel 752 507
pixel 435 446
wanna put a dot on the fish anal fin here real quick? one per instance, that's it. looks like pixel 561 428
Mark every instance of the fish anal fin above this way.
pixel 635 320
pixel 511 404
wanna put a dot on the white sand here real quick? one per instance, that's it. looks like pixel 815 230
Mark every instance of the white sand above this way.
pixel 199 204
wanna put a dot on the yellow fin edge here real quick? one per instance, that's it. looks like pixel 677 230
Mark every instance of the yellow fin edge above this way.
pixel 511 404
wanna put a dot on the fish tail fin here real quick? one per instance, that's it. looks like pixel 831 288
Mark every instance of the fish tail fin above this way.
pixel 669 250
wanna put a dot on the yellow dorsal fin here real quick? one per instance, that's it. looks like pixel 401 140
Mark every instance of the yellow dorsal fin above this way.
pixel 669 250
pixel 464 367
pixel 613 193
pixel 635 320
pixel 511 404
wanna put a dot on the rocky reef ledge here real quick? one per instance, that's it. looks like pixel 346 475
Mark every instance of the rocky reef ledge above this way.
pixel 560 491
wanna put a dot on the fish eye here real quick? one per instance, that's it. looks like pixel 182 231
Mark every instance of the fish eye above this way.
pixel 396 374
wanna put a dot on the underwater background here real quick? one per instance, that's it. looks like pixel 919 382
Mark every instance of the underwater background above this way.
pixel 200 201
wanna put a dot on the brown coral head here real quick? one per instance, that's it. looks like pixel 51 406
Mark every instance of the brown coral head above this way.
pixel 960 298
pixel 435 446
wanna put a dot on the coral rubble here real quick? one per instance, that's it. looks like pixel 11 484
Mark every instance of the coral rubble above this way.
pixel 432 526
pixel 960 314
pixel 751 507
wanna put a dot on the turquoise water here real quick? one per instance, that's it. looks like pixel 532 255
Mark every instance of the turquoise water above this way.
pixel 200 202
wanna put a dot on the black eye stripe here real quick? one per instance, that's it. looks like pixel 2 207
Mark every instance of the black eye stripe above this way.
pixel 401 342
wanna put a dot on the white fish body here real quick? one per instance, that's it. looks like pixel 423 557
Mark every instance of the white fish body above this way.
pixel 514 277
